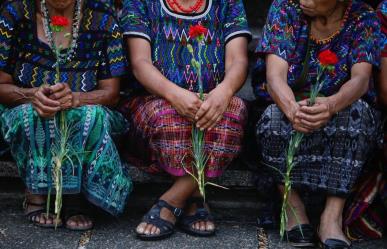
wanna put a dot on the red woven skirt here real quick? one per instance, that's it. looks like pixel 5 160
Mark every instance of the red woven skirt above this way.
pixel 160 139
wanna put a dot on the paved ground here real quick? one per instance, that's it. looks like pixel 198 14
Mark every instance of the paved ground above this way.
pixel 110 233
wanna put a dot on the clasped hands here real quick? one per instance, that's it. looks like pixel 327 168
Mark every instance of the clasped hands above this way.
pixel 205 114
pixel 307 119
pixel 48 100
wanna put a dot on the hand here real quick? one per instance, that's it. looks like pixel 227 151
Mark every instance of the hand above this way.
pixel 291 114
pixel 44 106
pixel 62 93
pixel 316 116
pixel 213 108
pixel 186 103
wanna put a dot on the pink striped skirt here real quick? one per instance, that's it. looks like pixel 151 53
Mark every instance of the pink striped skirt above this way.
pixel 160 139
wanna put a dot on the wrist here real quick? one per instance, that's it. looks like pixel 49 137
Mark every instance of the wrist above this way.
pixel 291 110
pixel 226 90
pixel 332 105
pixel 76 99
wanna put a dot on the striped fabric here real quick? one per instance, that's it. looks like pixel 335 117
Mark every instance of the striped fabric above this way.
pixel 160 139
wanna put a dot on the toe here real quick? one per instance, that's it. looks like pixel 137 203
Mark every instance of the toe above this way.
pixel 210 226
pixel 202 226
pixel 141 228
pixel 197 226
pixel 153 230
pixel 148 229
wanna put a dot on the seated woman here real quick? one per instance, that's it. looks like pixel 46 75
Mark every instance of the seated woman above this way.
pixel 366 212
pixel 342 127
pixel 162 116
pixel 31 103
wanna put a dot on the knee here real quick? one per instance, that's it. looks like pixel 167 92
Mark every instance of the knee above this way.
pixel 360 117
pixel 273 122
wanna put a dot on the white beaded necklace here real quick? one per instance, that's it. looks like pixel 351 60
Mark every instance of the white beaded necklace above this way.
pixel 62 58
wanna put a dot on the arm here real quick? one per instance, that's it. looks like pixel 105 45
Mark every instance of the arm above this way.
pixel 278 88
pixel 185 102
pixel 12 95
pixel 383 82
pixel 106 94
pixel 236 68
pixel 353 89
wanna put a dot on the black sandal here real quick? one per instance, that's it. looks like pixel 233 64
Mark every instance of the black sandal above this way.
pixel 201 214
pixel 42 210
pixel 166 228
pixel 76 206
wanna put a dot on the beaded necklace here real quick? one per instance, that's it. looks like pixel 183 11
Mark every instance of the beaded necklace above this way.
pixel 177 7
pixel 69 55
pixel 334 34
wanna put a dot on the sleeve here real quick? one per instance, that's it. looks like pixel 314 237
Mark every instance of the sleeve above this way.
pixel 382 14
pixel 367 37
pixel 113 62
pixel 235 24
pixel 134 19
pixel 8 19
pixel 278 35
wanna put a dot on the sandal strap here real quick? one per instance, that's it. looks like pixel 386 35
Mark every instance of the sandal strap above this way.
pixel 177 212
pixel 35 213
pixel 198 201
pixel 201 214
pixel 27 203
pixel 153 216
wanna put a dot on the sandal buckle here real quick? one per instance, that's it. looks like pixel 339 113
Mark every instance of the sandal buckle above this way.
pixel 177 212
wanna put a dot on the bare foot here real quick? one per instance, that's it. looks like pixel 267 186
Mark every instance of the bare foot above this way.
pixel 79 222
pixel 165 214
pixel 208 226
pixel 36 203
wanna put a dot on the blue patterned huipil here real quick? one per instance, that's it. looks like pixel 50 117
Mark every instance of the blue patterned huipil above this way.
pixel 331 158
pixel 98 172
pixel 168 33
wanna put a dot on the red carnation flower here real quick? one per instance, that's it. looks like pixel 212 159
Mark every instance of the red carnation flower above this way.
pixel 59 21
pixel 328 58
pixel 197 30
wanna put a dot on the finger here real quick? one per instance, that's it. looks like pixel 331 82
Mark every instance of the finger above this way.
pixel 209 119
pixel 216 122
pixel 46 109
pixel 311 125
pixel 315 109
pixel 41 113
pixel 58 87
pixel 303 102
pixel 204 108
pixel 212 121
pixel 65 100
pixel 61 94
pixel 46 101
pixel 301 129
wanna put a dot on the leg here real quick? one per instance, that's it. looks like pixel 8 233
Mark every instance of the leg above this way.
pixel 331 220
pixel 296 213
pixel 177 195
pixel 105 182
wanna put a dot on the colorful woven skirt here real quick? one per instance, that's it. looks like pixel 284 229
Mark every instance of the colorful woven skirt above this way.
pixel 330 159
pixel 160 139
pixel 96 170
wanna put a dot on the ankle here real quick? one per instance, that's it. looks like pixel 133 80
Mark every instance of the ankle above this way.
pixel 175 202
pixel 330 218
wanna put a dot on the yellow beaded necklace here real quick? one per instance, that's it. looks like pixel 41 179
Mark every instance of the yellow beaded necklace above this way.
pixel 334 34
